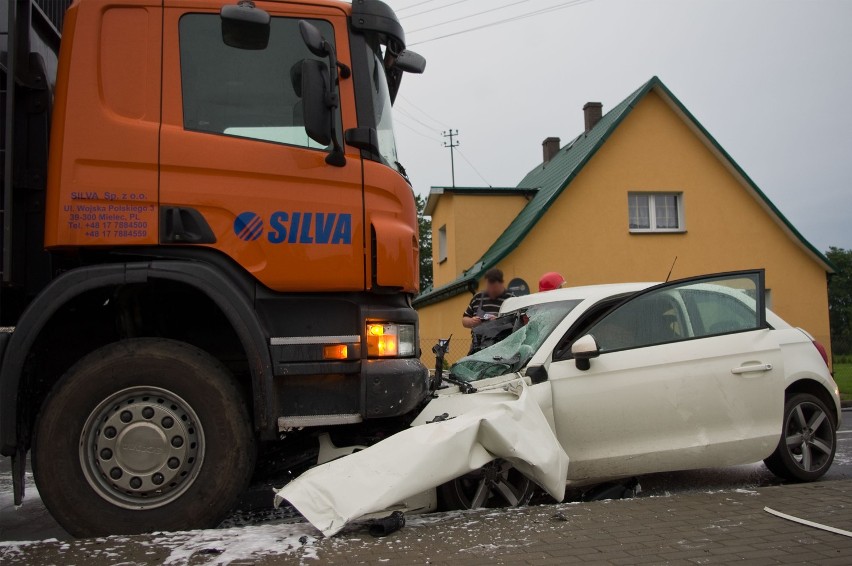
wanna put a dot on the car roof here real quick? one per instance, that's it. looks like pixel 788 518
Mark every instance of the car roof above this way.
pixel 588 292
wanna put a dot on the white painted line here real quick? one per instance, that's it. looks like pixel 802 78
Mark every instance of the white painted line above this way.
pixel 808 523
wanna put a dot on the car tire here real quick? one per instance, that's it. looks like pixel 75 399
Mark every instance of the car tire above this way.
pixel 497 484
pixel 808 440
pixel 142 435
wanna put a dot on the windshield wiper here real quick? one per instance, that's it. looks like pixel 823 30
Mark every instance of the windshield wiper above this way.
pixel 463 386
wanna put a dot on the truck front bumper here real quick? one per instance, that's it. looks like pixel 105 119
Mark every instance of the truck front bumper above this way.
pixel 367 389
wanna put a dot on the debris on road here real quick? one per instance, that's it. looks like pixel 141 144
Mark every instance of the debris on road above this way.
pixel 808 523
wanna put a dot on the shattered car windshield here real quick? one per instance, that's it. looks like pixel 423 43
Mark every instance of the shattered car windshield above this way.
pixel 526 331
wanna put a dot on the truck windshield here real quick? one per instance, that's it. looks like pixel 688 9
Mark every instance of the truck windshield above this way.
pixel 382 107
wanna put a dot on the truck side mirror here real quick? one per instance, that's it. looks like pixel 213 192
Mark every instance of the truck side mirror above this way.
pixel 410 62
pixel 244 26
pixel 318 85
pixel 315 91
pixel 313 39
pixel 583 350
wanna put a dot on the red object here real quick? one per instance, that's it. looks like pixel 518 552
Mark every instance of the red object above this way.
pixel 822 352
pixel 550 281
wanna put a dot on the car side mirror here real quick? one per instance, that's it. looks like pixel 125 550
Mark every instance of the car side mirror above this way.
pixel 244 26
pixel 314 89
pixel 583 350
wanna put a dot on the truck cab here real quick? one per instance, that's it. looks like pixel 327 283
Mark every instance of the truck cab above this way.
pixel 211 246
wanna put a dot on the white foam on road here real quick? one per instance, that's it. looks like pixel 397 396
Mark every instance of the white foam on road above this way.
pixel 224 546
pixel 210 546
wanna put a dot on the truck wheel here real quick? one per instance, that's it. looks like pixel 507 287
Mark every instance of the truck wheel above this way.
pixel 142 435
pixel 808 440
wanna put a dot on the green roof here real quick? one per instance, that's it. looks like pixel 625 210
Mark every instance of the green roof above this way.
pixel 553 177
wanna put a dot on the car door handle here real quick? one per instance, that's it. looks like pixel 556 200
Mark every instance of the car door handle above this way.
pixel 752 368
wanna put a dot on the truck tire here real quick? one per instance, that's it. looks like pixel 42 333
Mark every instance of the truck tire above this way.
pixel 142 435
pixel 808 440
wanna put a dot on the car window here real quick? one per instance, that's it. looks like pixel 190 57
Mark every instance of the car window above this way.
pixel 240 92
pixel 685 311
pixel 655 318
pixel 720 311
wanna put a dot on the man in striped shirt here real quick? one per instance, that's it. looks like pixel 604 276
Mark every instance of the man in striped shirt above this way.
pixel 485 305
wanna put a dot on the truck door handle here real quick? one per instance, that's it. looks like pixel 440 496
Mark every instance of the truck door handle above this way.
pixel 752 368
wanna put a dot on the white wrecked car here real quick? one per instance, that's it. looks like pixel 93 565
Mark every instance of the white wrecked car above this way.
pixel 626 379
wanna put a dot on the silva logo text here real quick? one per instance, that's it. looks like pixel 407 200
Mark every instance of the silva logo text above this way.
pixel 296 227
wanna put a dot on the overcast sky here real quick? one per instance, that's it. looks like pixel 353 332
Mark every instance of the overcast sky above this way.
pixel 770 80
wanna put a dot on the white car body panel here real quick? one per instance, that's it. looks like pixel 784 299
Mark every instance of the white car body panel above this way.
pixel 634 414
pixel 406 464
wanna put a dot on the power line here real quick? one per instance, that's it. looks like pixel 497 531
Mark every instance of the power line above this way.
pixel 436 8
pixel 410 117
pixel 404 125
pixel 474 168
pixel 469 16
pixel 422 112
pixel 429 132
pixel 398 10
pixel 507 20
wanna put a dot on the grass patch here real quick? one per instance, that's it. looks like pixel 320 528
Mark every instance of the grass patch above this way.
pixel 843 377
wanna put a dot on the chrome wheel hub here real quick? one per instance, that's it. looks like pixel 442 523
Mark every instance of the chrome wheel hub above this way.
pixel 141 447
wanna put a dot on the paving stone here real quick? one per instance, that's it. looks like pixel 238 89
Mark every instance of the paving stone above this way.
pixel 697 528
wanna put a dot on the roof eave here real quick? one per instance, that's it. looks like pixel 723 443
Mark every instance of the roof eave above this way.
pixel 444 292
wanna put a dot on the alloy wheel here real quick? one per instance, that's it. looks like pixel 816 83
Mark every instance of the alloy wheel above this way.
pixel 808 436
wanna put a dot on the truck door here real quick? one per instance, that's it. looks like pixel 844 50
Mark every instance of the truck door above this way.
pixel 234 154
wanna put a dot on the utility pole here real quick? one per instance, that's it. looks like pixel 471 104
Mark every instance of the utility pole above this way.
pixel 451 134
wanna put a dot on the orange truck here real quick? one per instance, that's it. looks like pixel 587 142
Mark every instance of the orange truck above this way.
pixel 209 248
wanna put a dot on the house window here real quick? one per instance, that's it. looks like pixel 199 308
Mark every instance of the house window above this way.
pixel 655 212
pixel 442 244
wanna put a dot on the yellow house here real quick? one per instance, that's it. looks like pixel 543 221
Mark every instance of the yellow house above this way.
pixel 644 184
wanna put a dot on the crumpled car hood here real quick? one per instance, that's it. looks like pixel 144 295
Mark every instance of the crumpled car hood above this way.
pixel 506 422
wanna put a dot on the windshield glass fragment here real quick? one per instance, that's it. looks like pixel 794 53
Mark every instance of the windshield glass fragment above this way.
pixel 516 336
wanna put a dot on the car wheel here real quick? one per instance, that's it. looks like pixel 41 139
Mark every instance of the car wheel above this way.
pixel 808 440
pixel 143 435
pixel 497 484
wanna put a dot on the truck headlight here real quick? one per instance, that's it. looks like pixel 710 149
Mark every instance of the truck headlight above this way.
pixel 390 340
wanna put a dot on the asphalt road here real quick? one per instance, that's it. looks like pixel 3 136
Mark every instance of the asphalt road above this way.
pixel 32 521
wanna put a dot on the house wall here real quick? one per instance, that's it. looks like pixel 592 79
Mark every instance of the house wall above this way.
pixel 473 222
pixel 585 236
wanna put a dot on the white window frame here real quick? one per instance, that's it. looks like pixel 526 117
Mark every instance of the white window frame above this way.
pixel 442 244
pixel 652 213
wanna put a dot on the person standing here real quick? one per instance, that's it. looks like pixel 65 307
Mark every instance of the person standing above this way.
pixel 485 305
